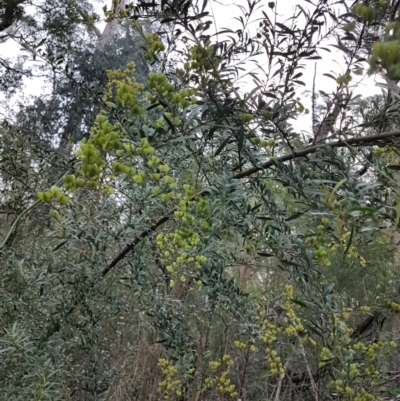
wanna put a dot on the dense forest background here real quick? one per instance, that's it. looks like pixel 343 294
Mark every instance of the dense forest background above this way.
pixel 168 228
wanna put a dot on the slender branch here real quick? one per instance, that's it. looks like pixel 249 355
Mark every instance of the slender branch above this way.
pixel 279 385
pixel 242 381
pixel 9 237
pixel 366 324
pixel 130 247
pixel 360 141
pixel 357 141
pixel 313 101
pixel 310 375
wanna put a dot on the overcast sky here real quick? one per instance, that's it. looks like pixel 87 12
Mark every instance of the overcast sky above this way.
pixel 224 12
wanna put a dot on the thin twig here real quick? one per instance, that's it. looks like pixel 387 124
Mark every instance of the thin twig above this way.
pixel 8 239
pixel 279 385
pixel 310 375
pixel 313 117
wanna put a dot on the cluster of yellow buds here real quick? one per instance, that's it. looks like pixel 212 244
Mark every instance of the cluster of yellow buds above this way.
pixel 92 162
pixel 388 154
pixel 373 349
pixel 179 252
pixel 269 336
pixel 274 363
pixel 170 386
pixel 246 117
pixel 325 356
pixel 110 138
pixel 349 376
pixel 72 182
pixel 364 396
pixel 119 168
pixel 364 12
pixel 340 333
pixel 103 134
pixel 109 14
pixel 54 192
pixel 159 83
pixel 168 184
pixel 239 345
pixel 345 314
pixel 319 241
pixel 371 372
pixel 175 120
pixel 91 19
pixel 264 144
pixel 344 385
pixel 340 387
pixel 117 11
pixel 392 305
pixel 127 97
pixel 200 57
pixel 392 30
pixel 387 54
pixel 184 97
pixel 154 45
pixel 127 88
pixel 264 28
pixel 269 332
pixel 128 150
pixel 220 370
pixel 268 114
pixel 351 373
pixel 344 79
pixel 295 326
pixel 91 167
pixel 348 386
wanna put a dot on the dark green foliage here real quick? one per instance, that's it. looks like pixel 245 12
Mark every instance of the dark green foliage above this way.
pixel 204 242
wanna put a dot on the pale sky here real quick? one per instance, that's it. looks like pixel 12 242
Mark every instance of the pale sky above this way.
pixel 224 12
pixel 331 62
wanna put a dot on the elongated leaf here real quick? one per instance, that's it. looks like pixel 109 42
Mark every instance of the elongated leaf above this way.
pixel 350 240
pixel 296 215
pixel 265 254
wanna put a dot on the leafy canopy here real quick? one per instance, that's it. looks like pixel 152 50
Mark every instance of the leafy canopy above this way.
pixel 196 244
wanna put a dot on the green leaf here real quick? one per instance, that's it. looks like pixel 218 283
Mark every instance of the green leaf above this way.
pixel 295 216
pixel 349 240
pixel 329 288
pixel 300 303
pixel 265 218
pixel 265 254
pixel 221 147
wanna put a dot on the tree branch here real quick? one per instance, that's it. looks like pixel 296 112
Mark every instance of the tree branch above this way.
pixel 357 141
pixel 360 141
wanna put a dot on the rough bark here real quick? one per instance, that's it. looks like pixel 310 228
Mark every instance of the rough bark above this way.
pixel 109 31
